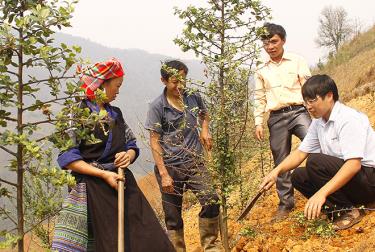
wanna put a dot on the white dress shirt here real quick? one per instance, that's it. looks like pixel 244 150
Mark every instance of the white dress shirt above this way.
pixel 347 134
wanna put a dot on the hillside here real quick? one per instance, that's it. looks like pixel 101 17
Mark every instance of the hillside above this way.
pixel 354 71
pixel 353 68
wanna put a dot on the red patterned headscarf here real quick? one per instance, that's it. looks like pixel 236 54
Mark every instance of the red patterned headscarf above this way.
pixel 94 76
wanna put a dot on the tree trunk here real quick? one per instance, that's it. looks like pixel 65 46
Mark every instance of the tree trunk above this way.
pixel 20 213
pixel 20 170
pixel 224 224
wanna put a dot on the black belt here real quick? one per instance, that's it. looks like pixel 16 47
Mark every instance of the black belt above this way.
pixel 287 109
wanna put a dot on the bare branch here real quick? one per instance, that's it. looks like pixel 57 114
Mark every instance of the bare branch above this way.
pixel 334 29
pixel 9 119
pixel 41 139
pixel 39 122
pixel 13 73
pixel 8 151
pixel 215 3
pixel 8 182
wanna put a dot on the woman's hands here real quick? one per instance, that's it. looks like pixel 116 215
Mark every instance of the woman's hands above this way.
pixel 122 159
pixel 112 178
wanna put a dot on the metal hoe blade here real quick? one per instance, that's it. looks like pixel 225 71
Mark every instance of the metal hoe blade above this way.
pixel 250 205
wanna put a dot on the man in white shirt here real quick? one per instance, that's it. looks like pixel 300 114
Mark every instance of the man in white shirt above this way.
pixel 340 151
pixel 278 84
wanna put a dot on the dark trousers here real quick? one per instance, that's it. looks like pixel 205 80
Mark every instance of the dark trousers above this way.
pixel 321 168
pixel 282 125
pixel 197 179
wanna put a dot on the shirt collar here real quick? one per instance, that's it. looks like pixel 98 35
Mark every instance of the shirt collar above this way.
pixel 286 56
pixel 165 101
pixel 335 111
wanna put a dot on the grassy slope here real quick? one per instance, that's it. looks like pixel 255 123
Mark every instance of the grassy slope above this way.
pixel 354 66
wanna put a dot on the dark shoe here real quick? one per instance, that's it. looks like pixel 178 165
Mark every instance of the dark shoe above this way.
pixel 281 214
pixel 347 220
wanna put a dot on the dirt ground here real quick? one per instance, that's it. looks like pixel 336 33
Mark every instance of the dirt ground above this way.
pixel 281 236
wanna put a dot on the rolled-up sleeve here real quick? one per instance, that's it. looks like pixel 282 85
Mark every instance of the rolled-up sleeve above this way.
pixel 67 157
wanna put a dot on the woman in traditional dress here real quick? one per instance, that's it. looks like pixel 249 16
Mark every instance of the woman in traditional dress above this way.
pixel 95 169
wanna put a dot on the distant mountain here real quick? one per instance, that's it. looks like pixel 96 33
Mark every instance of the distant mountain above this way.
pixel 141 85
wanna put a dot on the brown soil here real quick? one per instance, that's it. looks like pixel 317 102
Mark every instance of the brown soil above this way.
pixel 280 236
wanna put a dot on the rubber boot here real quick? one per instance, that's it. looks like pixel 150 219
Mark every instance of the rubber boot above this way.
pixel 177 239
pixel 209 232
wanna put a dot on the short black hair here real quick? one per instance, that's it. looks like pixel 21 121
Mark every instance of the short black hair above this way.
pixel 319 85
pixel 172 64
pixel 272 30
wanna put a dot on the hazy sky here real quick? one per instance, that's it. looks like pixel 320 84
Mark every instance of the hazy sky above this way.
pixel 151 25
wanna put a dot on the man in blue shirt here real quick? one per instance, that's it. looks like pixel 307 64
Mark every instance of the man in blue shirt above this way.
pixel 178 123
pixel 340 151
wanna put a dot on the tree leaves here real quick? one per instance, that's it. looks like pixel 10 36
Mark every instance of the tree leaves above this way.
pixel 26 43
pixel 224 34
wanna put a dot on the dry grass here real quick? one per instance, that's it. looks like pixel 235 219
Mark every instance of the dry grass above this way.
pixel 353 66
pixel 361 43
pixel 354 73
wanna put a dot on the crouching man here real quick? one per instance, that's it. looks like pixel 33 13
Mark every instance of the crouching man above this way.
pixel 340 152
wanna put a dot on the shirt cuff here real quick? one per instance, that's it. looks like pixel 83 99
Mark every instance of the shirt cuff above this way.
pixel 133 146
pixel 68 157
pixel 258 120
pixel 157 129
